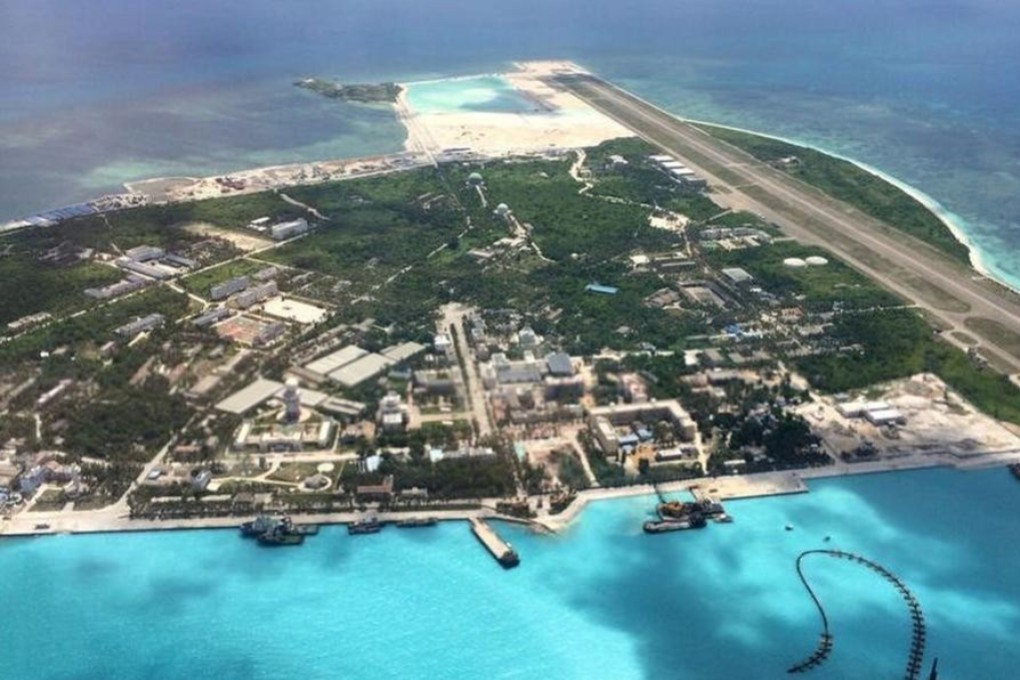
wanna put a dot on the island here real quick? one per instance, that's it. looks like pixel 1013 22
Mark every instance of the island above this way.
pixel 468 333
pixel 380 93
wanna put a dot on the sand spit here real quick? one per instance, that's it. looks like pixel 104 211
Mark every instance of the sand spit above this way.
pixel 556 120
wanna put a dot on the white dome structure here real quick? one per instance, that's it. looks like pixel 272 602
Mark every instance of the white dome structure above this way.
pixel 475 179
pixel 795 262
pixel 816 261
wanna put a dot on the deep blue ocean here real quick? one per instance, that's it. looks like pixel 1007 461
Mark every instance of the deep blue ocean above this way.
pixel 602 601
pixel 96 93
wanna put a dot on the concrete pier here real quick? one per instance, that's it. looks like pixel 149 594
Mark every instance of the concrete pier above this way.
pixel 497 547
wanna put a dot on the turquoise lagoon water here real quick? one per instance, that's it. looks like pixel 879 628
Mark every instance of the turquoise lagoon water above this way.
pixel 482 93
pixel 601 601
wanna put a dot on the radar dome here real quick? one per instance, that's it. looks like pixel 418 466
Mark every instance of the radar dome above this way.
pixel 794 262
pixel 816 261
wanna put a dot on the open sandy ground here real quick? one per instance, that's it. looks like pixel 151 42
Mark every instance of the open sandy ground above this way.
pixel 559 120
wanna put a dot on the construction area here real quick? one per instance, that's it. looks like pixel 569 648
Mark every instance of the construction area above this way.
pixel 917 415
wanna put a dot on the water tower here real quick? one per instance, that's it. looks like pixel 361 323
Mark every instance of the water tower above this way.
pixel 291 400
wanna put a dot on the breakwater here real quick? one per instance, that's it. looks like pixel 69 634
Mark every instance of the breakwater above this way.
pixel 915 652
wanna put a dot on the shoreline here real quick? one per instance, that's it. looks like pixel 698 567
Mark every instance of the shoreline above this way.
pixel 952 221
pixel 724 489
pixel 450 79
pixel 405 114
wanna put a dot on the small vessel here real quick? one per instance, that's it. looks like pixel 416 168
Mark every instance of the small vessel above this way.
pixel 415 522
pixel 257 526
pixel 682 509
pixel 695 521
pixel 282 533
pixel 365 525
pixel 723 518
pixel 676 509
pixel 1015 469
pixel 789 527
pixel 276 538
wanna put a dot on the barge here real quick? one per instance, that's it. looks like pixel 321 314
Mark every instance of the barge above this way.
pixel 682 510
pixel 695 521
pixel 365 525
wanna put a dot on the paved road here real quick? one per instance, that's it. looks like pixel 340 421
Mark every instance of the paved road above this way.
pixel 948 290
pixel 454 315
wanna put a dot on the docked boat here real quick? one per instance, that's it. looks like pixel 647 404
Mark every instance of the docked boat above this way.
pixel 712 508
pixel 257 526
pixel 695 521
pixel 282 533
pixel 365 525
pixel 676 509
pixel 415 522
pixel 276 538
pixel 683 509
pixel 1015 469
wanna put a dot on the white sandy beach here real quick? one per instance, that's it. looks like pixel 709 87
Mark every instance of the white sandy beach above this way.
pixel 560 120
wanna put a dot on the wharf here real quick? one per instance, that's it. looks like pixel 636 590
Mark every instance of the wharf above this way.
pixel 500 549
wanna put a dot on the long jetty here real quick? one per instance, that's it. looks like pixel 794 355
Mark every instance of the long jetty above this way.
pixel 915 653
pixel 500 549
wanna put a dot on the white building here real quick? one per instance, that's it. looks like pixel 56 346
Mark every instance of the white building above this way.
pixel 285 230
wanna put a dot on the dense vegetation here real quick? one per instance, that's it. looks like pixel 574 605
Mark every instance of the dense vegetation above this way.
pixel 93 328
pixel 475 477
pixel 158 225
pixel 127 423
pixel 822 287
pixel 28 286
pixel 377 227
pixel 848 182
pixel 396 248
pixel 641 182
pixel 380 93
